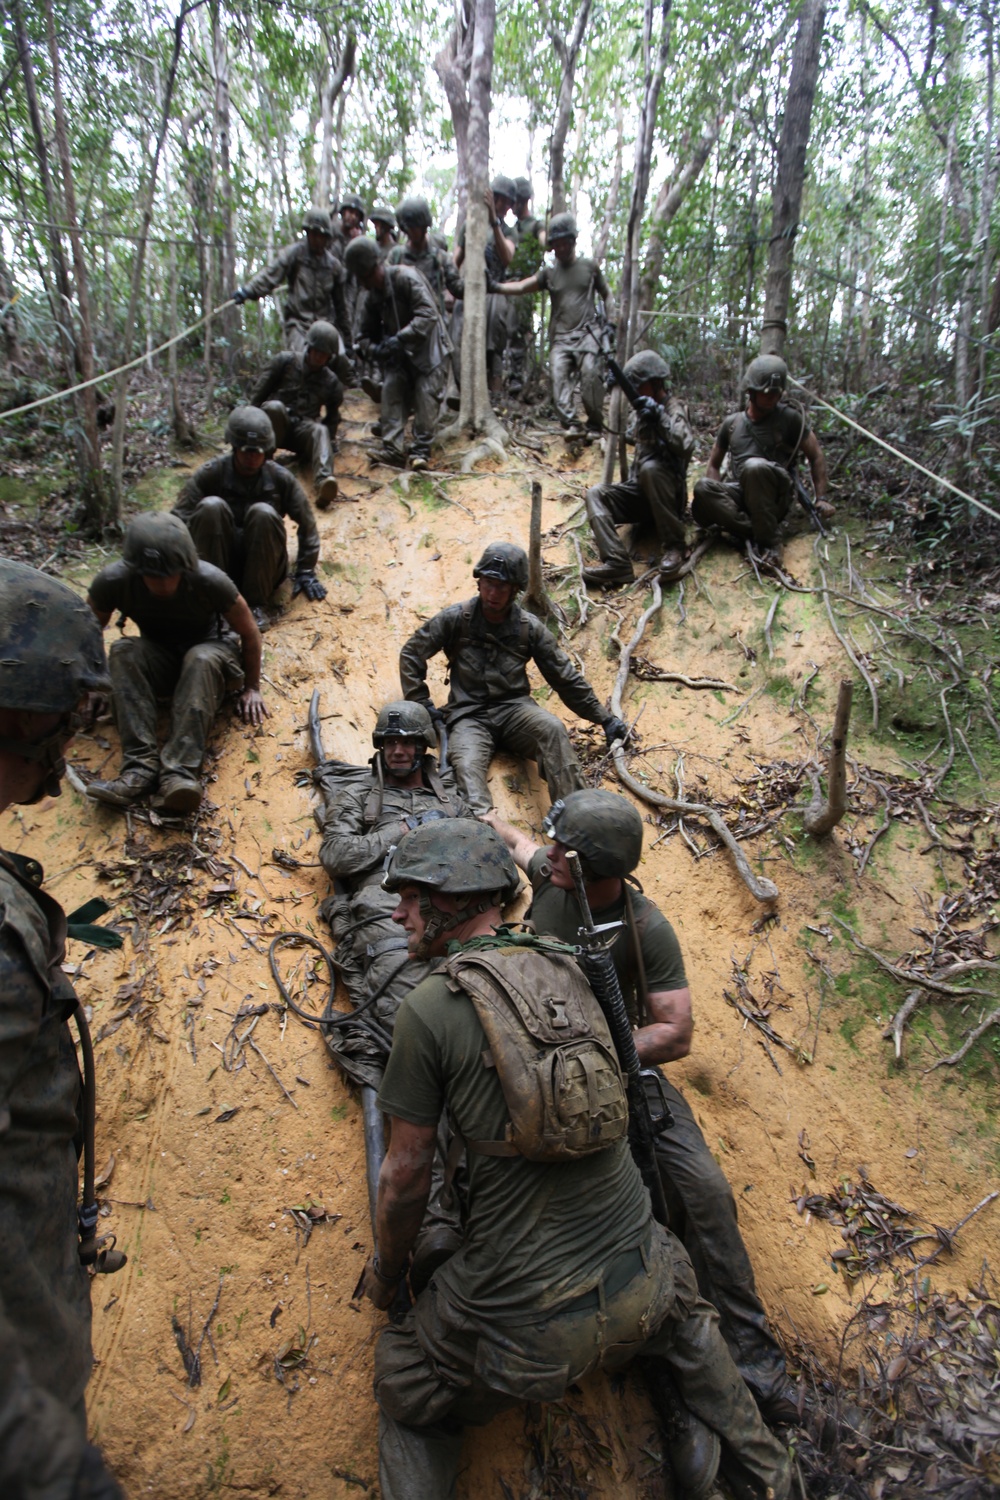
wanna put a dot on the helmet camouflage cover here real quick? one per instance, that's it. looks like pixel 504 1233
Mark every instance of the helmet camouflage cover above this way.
pixel 383 214
pixel 562 227
pixel 361 257
pixel 403 720
pixel 414 213
pixel 51 645
pixel 768 372
pixel 323 336
pixel 159 546
pixel 250 428
pixel 353 200
pixel 318 219
pixel 503 187
pixel 505 562
pixel 603 828
pixel 647 365
pixel 458 856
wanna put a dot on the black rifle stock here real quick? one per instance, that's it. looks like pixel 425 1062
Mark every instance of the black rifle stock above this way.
pixel 598 965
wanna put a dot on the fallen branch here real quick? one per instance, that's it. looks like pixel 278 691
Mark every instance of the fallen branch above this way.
pixel 897 1025
pixel 993 1019
pixel 820 819
pixel 909 976
pixel 651 673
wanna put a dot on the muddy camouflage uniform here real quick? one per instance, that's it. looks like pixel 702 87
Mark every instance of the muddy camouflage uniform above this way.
pixel 655 491
pixel 574 338
pixel 294 394
pixel 415 379
pixel 754 502
pixel 316 290
pixel 489 701
pixel 562 1272
pixel 700 1200
pixel 238 524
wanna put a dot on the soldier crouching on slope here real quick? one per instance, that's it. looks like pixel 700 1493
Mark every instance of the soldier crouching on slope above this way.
pixel 488 642
pixel 51 661
pixel 235 509
pixel 563 1270
pixel 182 653
pixel 606 831
pixel 302 397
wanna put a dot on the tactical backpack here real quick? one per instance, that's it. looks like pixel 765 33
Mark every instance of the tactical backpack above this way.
pixel 550 1045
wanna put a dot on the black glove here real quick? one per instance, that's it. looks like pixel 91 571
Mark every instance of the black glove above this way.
pixel 615 729
pixel 491 283
pixel 388 350
pixel 437 715
pixel 648 410
pixel 307 583
pixel 240 296
pixel 94 1481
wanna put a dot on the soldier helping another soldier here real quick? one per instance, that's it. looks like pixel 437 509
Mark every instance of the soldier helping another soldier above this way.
pixel 488 642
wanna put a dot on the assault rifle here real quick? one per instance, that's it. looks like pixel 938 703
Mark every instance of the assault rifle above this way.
pixel 648 1111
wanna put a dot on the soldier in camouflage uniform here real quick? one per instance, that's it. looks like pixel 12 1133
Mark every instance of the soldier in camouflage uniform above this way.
pixel 563 1270
pixel 51 661
pixel 530 245
pixel 384 219
pixel 656 489
pixel 488 642
pixel 500 248
pixel 353 222
pixel 302 396
pixel 606 831
pixel 402 332
pixel 314 275
pixel 235 509
pixel 575 338
pixel 763 443
pixel 183 653
pixel 434 264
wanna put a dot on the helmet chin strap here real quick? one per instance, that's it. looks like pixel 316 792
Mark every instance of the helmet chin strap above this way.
pixel 416 759
pixel 48 753
pixel 438 922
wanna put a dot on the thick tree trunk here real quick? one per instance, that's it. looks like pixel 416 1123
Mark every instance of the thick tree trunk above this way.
pixel 791 171
pixel 476 414
pixel 567 49
pixel 668 201
pixel 452 66
pixel 80 341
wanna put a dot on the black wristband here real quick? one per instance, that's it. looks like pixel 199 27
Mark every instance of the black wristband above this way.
pixel 382 1275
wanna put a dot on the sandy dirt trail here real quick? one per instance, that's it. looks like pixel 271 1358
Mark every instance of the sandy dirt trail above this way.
pixel 214 1147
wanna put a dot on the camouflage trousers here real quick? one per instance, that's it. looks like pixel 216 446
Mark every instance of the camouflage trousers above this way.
pixel 255 555
pixel 521 727
pixel 311 442
pixel 703 1216
pixel 405 392
pixel 568 363
pixel 196 681
pixel 442 1369
pixel 750 508
pixel 656 492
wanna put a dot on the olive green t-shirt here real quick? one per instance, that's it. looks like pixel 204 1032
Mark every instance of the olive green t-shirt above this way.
pixel 187 618
pixel 538 1233
pixel 555 913
pixel 572 291
pixel 776 437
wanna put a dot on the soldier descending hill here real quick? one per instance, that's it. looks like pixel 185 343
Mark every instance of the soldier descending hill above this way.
pixel 302 396
pixel 563 1270
pixel 182 652
pixel 51 662
pixel 489 641
pixel 314 275
pixel 763 443
pixel 235 509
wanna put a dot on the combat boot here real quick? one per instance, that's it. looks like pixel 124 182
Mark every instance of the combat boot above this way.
pixel 326 493
pixel 694 1450
pixel 419 461
pixel 609 575
pixel 125 789
pixel 372 389
pixel 671 563
pixel 394 458
pixel 178 794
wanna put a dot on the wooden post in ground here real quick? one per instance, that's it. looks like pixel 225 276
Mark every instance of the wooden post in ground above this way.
pixel 536 599
pixel 822 817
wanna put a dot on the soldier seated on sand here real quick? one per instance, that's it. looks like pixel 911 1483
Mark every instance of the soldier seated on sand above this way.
pixel 763 443
pixel 302 396
pixel 488 642
pixel 235 509
pixel 182 653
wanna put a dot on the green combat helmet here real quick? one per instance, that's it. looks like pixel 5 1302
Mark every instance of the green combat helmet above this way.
pixel 159 546
pixel 323 336
pixel 404 720
pixel 603 828
pixel 250 429
pixel 383 214
pixel 506 562
pixel 503 187
pixel 562 227
pixel 647 365
pixel 460 857
pixel 414 213
pixel 522 190
pixel 319 220
pixel 352 200
pixel 768 372
pixel 51 656
pixel 361 257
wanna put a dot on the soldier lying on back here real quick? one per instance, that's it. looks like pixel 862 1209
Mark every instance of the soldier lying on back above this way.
pixel 302 397
pixel 235 509
pixel 488 642
pixel 182 652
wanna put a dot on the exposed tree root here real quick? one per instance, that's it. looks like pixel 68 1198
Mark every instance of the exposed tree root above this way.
pixel 823 814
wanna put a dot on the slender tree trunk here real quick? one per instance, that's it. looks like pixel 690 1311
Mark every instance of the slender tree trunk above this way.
pixel 224 182
pixel 338 184
pixel 753 241
pixel 331 89
pixel 787 198
pixel 668 200
pixel 991 167
pixel 452 66
pixel 614 191
pixel 8 317
pixel 567 49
